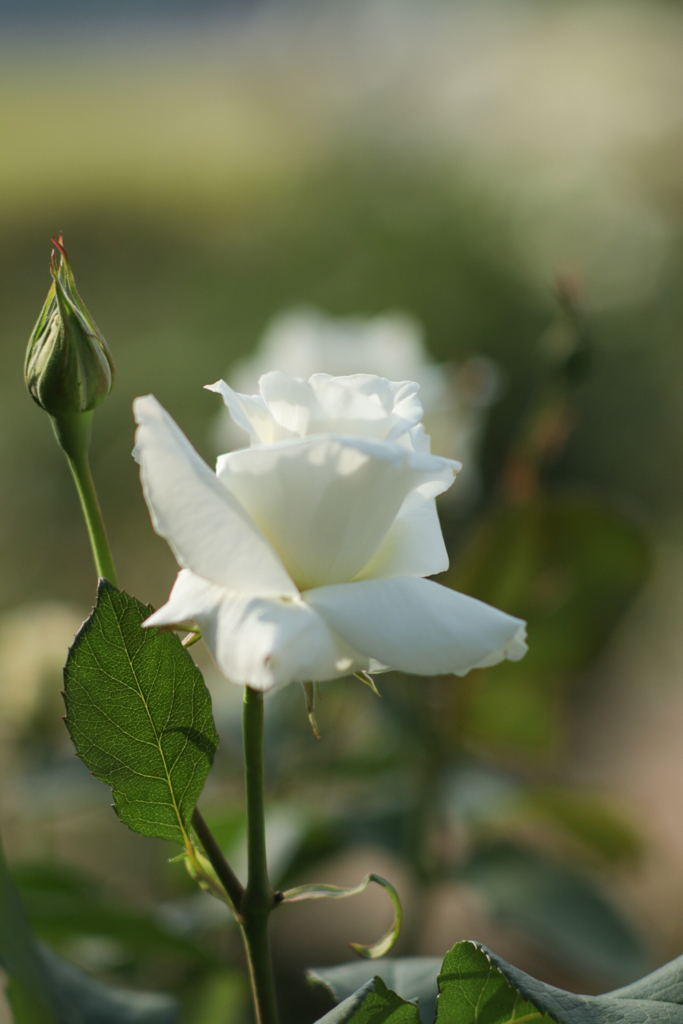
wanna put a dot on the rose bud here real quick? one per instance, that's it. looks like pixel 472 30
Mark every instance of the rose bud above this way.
pixel 68 366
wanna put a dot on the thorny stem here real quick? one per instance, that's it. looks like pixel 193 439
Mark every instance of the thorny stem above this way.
pixel 259 897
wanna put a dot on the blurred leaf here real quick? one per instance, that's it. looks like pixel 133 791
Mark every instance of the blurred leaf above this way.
pixel 222 998
pixel 62 905
pixel 513 708
pixel 589 818
pixel 324 838
pixel 81 999
pixel 478 794
pixel 228 826
pixel 562 910
pixel 139 714
pixel 478 987
pixel 21 959
pixel 51 887
pixel 287 828
pixel 568 566
pixel 44 989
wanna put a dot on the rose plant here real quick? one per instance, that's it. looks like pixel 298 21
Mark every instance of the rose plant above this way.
pixel 304 558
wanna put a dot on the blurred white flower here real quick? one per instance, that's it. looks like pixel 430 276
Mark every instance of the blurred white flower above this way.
pixel 303 555
pixel 303 341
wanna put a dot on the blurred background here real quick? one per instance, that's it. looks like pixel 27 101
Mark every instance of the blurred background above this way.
pixel 486 197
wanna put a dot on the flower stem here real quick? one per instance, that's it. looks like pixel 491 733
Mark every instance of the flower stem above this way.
pixel 259 897
pixel 226 875
pixel 73 434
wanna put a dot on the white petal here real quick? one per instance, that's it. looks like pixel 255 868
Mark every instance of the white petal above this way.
pixel 207 529
pixel 248 412
pixel 326 503
pixel 260 642
pixel 192 598
pixel 414 546
pixel 360 405
pixel 418 626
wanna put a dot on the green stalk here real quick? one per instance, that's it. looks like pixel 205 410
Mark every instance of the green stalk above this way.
pixel 216 858
pixel 73 434
pixel 259 897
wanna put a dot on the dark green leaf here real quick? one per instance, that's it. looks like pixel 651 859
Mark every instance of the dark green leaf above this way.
pixel 139 714
pixel 562 910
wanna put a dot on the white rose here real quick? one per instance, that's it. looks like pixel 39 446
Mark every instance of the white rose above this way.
pixel 454 399
pixel 304 555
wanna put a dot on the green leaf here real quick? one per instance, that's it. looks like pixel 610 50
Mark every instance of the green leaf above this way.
pixel 655 999
pixel 473 991
pixel 477 987
pixel 561 909
pixel 374 1003
pixel 139 714
pixel 382 1006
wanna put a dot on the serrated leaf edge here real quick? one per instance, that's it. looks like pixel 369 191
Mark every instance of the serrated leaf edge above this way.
pixel 193 856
